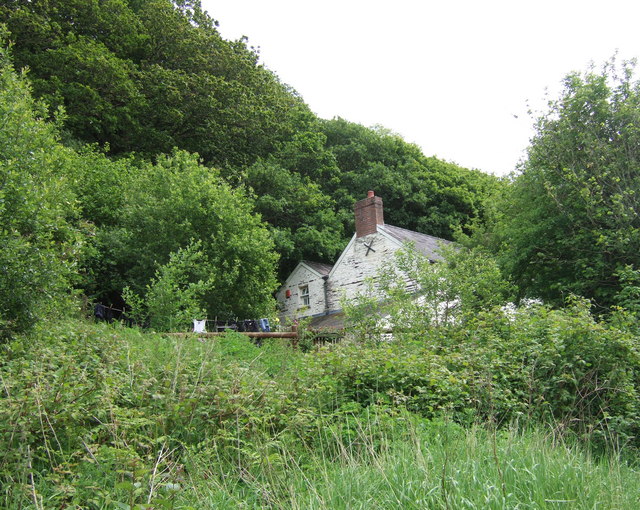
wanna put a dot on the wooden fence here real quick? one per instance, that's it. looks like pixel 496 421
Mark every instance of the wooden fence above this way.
pixel 293 334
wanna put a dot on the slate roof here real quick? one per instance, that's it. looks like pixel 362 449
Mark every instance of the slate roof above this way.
pixel 323 269
pixel 333 321
pixel 424 243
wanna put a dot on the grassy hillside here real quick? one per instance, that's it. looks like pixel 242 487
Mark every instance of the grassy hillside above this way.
pixel 96 416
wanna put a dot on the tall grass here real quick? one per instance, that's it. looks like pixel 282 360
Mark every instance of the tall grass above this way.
pixel 100 417
pixel 424 464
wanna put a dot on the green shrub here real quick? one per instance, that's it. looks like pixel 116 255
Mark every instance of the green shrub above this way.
pixel 39 238
pixel 564 366
pixel 98 415
pixel 557 366
pixel 97 405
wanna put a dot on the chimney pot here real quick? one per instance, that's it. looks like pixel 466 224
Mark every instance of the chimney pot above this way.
pixel 371 194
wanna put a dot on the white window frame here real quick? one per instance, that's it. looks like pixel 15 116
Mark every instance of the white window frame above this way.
pixel 305 298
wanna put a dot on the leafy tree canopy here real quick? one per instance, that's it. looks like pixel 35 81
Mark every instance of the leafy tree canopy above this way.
pixel 570 221
pixel 39 236
pixel 303 219
pixel 307 188
pixel 167 207
pixel 151 75
pixel 420 193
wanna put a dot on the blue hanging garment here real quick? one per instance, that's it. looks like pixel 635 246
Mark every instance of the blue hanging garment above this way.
pixel 264 325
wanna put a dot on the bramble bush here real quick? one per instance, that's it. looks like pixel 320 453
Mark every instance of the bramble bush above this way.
pixel 86 406
pixel 99 415
pixel 556 366
pixel 459 348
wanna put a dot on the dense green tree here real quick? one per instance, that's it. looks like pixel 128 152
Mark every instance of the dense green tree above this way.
pixel 99 184
pixel 176 294
pixel 78 53
pixel 570 222
pixel 147 218
pixel 97 89
pixel 79 219
pixel 151 75
pixel 420 193
pixel 302 218
pixel 177 201
pixel 39 239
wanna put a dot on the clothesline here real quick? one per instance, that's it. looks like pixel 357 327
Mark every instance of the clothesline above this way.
pixel 109 314
pixel 248 325
pixel 106 313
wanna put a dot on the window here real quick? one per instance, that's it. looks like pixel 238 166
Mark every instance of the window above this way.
pixel 304 295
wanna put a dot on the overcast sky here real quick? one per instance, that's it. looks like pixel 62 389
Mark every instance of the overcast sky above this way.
pixel 454 77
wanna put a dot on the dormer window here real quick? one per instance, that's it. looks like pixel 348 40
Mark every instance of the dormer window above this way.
pixel 304 295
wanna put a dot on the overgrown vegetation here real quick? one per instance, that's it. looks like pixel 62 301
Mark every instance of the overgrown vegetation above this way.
pixel 40 234
pixel 98 416
pixel 141 78
pixel 444 394
pixel 569 223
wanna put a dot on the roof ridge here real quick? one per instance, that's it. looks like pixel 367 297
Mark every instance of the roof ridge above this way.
pixel 416 232
pixel 307 261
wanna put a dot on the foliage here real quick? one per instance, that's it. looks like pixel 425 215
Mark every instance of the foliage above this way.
pixel 92 414
pixel 629 296
pixel 559 366
pixel 414 293
pixel 74 218
pixel 420 193
pixel 306 189
pixel 144 212
pixel 148 76
pixel 303 220
pixel 457 346
pixel 99 416
pixel 569 223
pixel 39 234
pixel 575 371
pixel 175 201
pixel 176 294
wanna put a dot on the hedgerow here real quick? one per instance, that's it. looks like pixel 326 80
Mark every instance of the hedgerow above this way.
pixel 538 364
pixel 97 415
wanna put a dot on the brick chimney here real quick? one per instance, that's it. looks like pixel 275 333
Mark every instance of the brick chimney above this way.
pixel 368 215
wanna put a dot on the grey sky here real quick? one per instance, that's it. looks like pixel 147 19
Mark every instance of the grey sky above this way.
pixel 453 77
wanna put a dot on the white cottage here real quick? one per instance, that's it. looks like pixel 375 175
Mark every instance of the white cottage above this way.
pixel 315 290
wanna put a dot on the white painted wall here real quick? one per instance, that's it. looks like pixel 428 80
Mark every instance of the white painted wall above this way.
pixel 293 307
pixel 358 263
pixel 349 277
